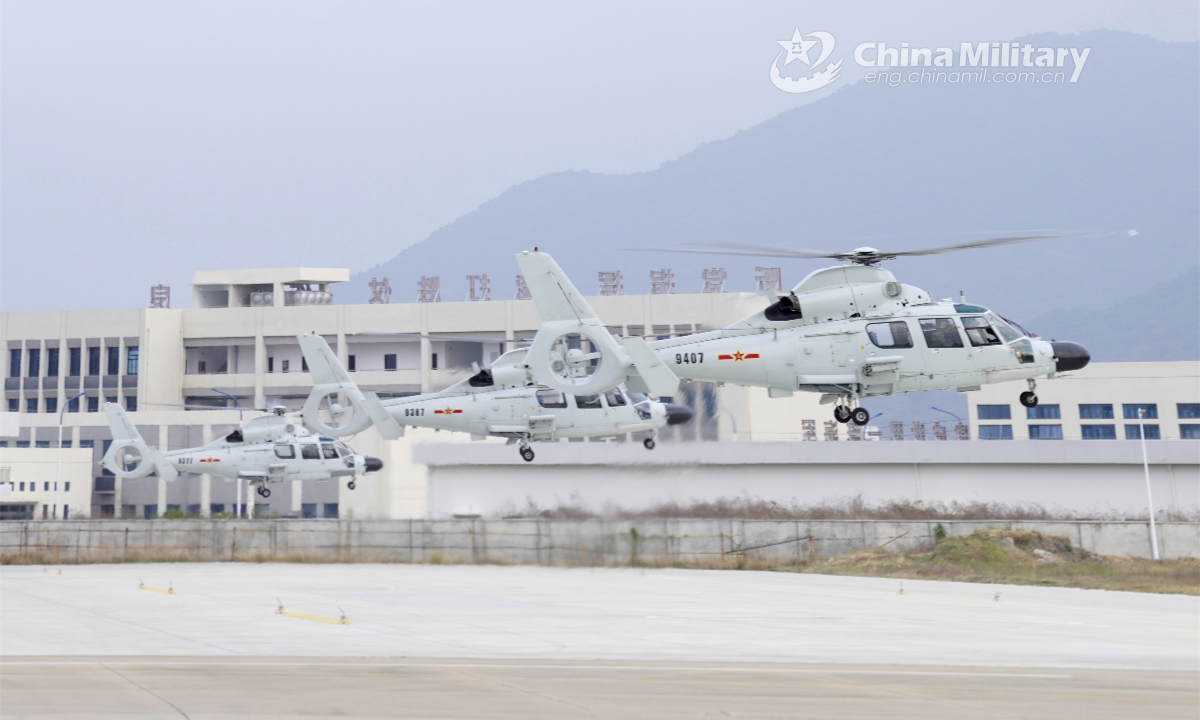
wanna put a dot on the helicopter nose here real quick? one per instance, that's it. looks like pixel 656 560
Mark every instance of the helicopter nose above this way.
pixel 678 414
pixel 372 463
pixel 1070 356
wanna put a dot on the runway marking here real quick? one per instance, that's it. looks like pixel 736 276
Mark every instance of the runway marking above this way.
pixel 518 666
pixel 316 618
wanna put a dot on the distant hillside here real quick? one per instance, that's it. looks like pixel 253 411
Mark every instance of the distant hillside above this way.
pixel 913 165
pixel 1162 323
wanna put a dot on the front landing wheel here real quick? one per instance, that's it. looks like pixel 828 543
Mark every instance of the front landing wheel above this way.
pixel 351 485
pixel 527 454
pixel 860 416
pixel 841 413
pixel 649 443
pixel 1028 399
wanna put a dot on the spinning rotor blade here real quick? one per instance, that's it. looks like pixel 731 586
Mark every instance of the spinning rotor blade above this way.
pixel 191 407
pixel 747 249
pixel 982 244
pixel 447 338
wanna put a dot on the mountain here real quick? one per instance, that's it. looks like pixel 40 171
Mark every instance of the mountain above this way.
pixel 1162 323
pixel 892 167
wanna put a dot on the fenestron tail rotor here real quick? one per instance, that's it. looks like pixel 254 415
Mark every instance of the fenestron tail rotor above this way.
pixel 861 256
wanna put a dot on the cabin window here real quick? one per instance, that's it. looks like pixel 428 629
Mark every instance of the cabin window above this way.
pixel 979 332
pixel 342 450
pixel 329 451
pixel 941 333
pixel 287 452
pixel 890 335
pixel 615 398
pixel 587 402
pixel 310 452
pixel 551 399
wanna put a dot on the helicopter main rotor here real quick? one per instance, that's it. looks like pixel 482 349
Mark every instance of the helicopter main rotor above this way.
pixel 858 256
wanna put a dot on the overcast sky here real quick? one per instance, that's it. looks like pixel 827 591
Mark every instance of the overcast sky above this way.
pixel 144 140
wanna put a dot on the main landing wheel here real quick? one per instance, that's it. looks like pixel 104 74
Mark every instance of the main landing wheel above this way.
pixel 860 416
pixel 649 443
pixel 1028 399
pixel 841 413
pixel 527 454
pixel 351 485
pixel 265 492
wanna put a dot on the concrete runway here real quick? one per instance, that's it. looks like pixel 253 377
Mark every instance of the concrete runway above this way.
pixel 468 641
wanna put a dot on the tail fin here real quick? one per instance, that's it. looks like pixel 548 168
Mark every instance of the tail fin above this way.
pixel 330 377
pixel 553 292
pixel 125 435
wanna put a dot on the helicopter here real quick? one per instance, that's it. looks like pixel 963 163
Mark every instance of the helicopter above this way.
pixel 847 332
pixel 500 401
pixel 265 449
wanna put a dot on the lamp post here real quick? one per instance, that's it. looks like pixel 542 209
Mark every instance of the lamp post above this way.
pixel 1146 468
pixel 58 476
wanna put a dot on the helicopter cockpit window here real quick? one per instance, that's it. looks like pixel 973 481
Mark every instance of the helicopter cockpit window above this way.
pixel 979 332
pixel 551 399
pixel 587 402
pixel 615 398
pixel 941 333
pixel 1008 333
pixel 342 450
pixel 310 452
pixel 329 451
pixel 234 437
pixel 788 308
pixel 890 335
pixel 287 452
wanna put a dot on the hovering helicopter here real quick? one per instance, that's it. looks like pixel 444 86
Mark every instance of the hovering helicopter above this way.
pixel 500 401
pixel 847 332
pixel 265 449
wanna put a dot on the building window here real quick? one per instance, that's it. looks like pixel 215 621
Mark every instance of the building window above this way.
pixel 284 366
pixel 1095 412
pixel 308 510
pixel 93 404
pixel 73 405
pixel 51 404
pixel 22 487
pixel 216 508
pixel 303 364
pixel 1043 412
pixel 87 443
pixel 1099 432
pixel 270 364
pixel 995 412
pixel 14 363
pixel 35 361
pixel 42 444
pixel 110 399
pixel 1132 432
pixel 31 405
pixel 66 444
pixel 131 361
pixel 995 432
pixel 389 362
pixel 194 509
pixel 46 487
pixel 93 361
pixel 24 444
pixel 1189 432
pixel 1045 432
pixel 66 487
pixel 149 512
pixel 14 405
pixel 1131 411
pixel 131 403
pixel 1188 410
pixel 331 510
pixel 114 361
pixel 74 361
pixel 51 362
pixel 352 363
pixel 434 363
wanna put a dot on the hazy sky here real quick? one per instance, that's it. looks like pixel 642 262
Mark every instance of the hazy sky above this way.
pixel 141 141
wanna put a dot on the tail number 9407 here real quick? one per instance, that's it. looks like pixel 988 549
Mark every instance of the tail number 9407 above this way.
pixel 689 358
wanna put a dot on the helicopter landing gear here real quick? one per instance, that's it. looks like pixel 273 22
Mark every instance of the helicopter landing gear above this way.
pixel 1028 399
pixel 526 452
pixel 649 443
pixel 860 416
pixel 264 491
pixel 350 485
pixel 841 413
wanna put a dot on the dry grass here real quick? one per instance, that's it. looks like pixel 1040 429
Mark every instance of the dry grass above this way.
pixel 1007 556
pixel 846 509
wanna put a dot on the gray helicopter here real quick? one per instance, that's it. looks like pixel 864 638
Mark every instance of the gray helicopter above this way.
pixel 847 332
pixel 265 449
pixel 500 401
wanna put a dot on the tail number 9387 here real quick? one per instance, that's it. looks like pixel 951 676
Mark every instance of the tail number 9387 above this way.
pixel 689 358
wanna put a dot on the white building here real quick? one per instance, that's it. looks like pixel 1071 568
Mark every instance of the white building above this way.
pixel 238 341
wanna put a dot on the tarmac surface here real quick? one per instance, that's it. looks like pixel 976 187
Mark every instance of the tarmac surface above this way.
pixel 472 641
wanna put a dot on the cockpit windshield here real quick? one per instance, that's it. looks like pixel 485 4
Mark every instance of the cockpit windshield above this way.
pixel 1007 332
pixel 342 449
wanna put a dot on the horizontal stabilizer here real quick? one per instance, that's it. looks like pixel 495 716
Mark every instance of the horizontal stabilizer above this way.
pixel 659 379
